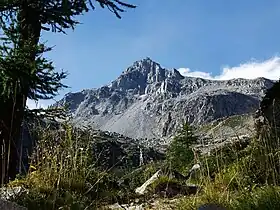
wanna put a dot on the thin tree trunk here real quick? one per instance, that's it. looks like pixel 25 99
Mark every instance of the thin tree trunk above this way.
pixel 10 126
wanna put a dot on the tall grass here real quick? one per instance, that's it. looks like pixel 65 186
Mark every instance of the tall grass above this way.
pixel 65 173
pixel 62 173
pixel 241 178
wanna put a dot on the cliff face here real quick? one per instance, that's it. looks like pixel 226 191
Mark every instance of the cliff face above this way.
pixel 148 101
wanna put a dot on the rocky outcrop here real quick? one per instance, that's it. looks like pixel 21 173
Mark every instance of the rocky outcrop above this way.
pixel 267 117
pixel 112 150
pixel 149 101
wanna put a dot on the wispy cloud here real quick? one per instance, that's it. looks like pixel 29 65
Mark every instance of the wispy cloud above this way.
pixel 189 73
pixel 269 69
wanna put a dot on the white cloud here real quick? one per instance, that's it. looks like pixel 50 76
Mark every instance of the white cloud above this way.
pixel 188 73
pixel 269 69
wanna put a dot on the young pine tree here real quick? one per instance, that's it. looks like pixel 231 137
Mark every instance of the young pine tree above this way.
pixel 179 153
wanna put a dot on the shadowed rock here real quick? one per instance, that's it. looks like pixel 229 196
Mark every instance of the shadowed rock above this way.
pixel 7 205
pixel 267 117
pixel 211 206
pixel 171 189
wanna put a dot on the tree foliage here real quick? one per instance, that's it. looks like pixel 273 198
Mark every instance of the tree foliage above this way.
pixel 179 153
pixel 57 15
pixel 22 22
pixel 24 72
pixel 38 79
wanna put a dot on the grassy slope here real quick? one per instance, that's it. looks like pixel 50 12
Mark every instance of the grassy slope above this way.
pixel 231 126
pixel 65 176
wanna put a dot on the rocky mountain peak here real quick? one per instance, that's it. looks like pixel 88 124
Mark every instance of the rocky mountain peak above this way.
pixel 143 74
pixel 149 101
pixel 146 65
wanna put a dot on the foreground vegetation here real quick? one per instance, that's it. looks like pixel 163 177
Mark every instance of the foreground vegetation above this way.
pixel 65 173
pixel 240 177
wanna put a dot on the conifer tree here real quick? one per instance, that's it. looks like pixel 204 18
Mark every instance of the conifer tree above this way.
pixel 24 72
pixel 179 152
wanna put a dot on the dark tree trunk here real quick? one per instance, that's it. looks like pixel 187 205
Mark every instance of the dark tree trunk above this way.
pixel 12 110
pixel 10 126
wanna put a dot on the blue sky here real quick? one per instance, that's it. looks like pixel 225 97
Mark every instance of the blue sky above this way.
pixel 205 36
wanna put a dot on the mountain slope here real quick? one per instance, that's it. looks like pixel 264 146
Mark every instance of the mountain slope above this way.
pixel 149 101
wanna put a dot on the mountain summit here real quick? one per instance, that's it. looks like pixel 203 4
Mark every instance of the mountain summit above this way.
pixel 149 101
pixel 143 73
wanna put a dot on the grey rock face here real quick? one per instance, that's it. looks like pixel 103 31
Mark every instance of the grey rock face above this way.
pixel 149 101
pixel 112 150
